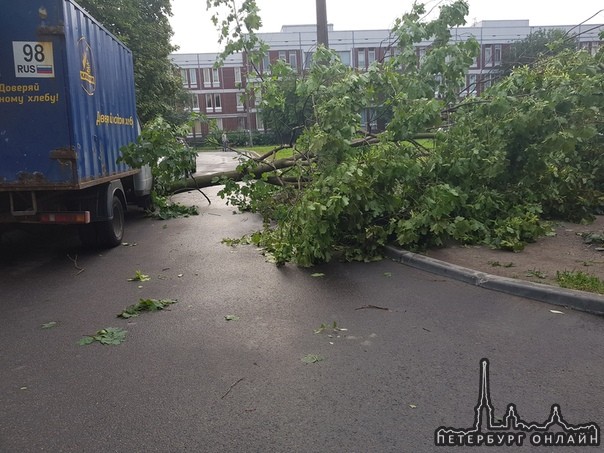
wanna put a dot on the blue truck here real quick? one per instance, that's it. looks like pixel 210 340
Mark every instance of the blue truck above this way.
pixel 67 106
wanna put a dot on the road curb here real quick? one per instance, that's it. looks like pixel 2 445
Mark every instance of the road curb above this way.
pixel 578 300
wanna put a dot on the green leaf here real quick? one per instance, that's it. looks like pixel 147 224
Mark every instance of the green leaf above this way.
pixel 318 274
pixel 231 318
pixel 139 277
pixel 107 336
pixel 49 325
pixel 145 305
pixel 86 340
pixel 312 358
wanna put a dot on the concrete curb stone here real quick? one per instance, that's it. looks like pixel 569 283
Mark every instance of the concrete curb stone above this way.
pixel 578 300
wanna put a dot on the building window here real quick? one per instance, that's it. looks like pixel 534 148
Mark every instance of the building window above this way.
pixel 183 77
pixel 344 57
pixel 370 56
pixel 488 81
pixel 238 76
pixel 209 103
pixel 259 123
pixel 215 77
pixel 472 84
pixel 595 48
pixel 422 55
pixel 308 60
pixel 241 123
pixel 193 78
pixel 488 56
pixel 293 60
pixel 240 105
pixel 361 63
pixel 217 103
pixel 195 103
pixel 282 55
pixel 369 120
pixel 497 54
pixel 266 64
pixel 219 124
pixel 207 82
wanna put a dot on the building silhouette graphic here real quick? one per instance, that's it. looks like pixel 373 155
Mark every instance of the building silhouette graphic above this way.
pixel 511 430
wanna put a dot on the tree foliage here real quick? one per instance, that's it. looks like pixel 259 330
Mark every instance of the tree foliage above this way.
pixel 528 150
pixel 144 27
pixel 538 44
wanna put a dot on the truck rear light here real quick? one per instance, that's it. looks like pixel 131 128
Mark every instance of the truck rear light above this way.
pixel 65 217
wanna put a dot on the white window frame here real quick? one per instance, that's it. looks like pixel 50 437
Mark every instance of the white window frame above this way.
pixel 472 84
pixel 193 78
pixel 219 124
pixel 207 78
pixel 259 123
pixel 370 56
pixel 488 56
pixel 293 60
pixel 238 76
pixel 361 61
pixel 283 55
pixel 308 56
pixel 183 77
pixel 209 102
pixel 217 103
pixel 422 55
pixel 240 104
pixel 195 102
pixel 215 77
pixel 497 55
pixel 346 54
pixel 266 64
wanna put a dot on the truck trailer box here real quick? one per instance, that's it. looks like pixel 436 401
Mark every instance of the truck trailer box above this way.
pixel 67 106
pixel 67 101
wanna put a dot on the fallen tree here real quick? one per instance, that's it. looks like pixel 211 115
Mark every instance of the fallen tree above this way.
pixel 526 151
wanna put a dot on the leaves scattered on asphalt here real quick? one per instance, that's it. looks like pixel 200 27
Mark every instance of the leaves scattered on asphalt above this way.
pixel 49 325
pixel 329 327
pixel 557 312
pixel 387 274
pixel 318 274
pixel 139 277
pixel 109 336
pixel 231 318
pixel 312 358
pixel 145 305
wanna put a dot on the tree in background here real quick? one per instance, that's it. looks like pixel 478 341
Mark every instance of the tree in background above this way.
pixel 144 27
pixel 538 44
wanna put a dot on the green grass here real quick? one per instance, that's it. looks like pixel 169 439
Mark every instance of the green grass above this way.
pixel 581 281
pixel 282 154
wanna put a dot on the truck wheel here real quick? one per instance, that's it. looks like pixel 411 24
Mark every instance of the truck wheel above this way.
pixel 111 232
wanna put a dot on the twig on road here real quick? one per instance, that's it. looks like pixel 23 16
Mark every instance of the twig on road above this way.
pixel 231 388
pixel 75 264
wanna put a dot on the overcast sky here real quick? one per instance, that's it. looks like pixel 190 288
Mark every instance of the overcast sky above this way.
pixel 194 32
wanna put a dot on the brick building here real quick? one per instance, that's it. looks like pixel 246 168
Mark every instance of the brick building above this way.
pixel 218 92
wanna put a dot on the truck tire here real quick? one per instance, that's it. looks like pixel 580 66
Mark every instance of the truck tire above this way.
pixel 105 234
pixel 111 232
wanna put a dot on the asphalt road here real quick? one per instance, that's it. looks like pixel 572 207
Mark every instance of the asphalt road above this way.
pixel 187 380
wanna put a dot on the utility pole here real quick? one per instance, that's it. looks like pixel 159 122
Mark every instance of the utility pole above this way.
pixel 322 36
